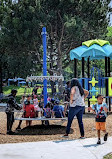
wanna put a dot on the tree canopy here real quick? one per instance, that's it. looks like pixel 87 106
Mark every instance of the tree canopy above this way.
pixel 68 24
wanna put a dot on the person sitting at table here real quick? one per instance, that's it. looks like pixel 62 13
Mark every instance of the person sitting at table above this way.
pixel 36 103
pixel 58 110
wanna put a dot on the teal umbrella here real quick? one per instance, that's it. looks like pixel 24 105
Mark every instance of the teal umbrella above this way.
pixel 94 52
pixel 108 50
pixel 77 52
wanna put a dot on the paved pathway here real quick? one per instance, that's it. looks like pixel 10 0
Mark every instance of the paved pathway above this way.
pixel 63 149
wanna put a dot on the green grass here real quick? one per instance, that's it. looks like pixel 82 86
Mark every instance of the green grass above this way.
pixel 7 90
pixel 21 91
pixel 108 156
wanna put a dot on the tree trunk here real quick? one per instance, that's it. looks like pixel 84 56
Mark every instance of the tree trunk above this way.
pixel 51 64
pixel 60 83
pixel 52 87
pixel 51 82
pixel 1 90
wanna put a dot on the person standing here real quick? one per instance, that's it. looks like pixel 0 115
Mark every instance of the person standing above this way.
pixel 67 91
pixel 11 105
pixel 77 106
pixel 67 97
pixel 34 92
pixel 100 109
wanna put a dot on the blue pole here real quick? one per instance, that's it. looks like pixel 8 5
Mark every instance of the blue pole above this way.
pixel 44 64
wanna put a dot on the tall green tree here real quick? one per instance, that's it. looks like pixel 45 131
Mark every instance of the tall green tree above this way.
pixel 68 24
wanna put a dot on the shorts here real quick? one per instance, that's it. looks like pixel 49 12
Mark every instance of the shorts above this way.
pixel 101 126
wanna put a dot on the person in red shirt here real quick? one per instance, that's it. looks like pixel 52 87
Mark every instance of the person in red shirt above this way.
pixel 29 111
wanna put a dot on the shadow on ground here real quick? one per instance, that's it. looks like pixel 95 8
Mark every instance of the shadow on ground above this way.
pixel 92 145
pixel 43 130
pixel 64 140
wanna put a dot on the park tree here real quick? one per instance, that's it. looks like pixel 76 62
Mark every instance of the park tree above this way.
pixel 68 24
pixel 109 38
pixel 109 34
pixel 16 39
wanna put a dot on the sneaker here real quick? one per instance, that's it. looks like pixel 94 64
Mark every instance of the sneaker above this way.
pixel 65 136
pixel 10 133
pixel 99 142
pixel 18 128
pixel 105 137
pixel 82 137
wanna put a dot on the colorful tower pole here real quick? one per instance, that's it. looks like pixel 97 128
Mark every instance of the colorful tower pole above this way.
pixel 44 64
pixel 93 91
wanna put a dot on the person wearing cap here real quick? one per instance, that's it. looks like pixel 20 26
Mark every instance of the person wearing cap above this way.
pixel 11 105
pixel 58 111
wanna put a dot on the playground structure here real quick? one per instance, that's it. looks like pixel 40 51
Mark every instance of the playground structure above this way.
pixel 103 84
pixel 93 91
pixel 91 50
pixel 55 78
pixel 43 78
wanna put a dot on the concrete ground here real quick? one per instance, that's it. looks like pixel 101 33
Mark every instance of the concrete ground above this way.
pixel 63 149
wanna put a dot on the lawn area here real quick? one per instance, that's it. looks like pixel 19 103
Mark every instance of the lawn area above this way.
pixel 21 90
pixel 7 90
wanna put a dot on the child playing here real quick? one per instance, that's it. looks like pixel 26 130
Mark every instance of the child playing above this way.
pixel 58 110
pixel 23 99
pixel 40 106
pixel 48 111
pixel 22 104
pixel 35 101
pixel 100 109
pixel 28 110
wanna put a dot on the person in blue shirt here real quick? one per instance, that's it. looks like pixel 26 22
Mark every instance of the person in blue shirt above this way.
pixel 100 109
pixel 58 110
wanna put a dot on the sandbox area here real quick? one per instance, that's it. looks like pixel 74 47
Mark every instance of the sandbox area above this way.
pixel 37 132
